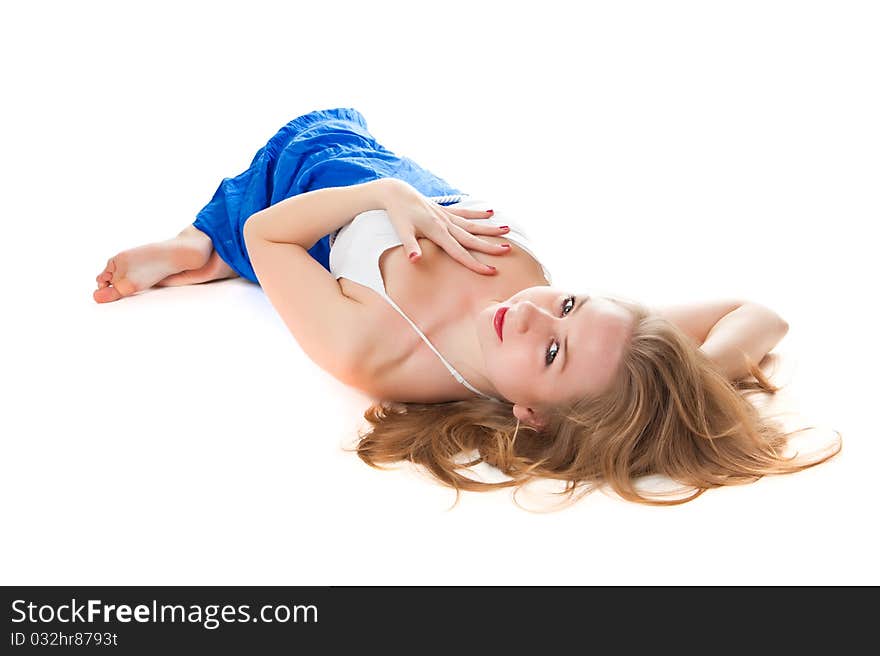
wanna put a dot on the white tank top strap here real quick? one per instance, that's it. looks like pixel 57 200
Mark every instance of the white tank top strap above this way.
pixel 448 199
pixel 448 366
pixel 356 249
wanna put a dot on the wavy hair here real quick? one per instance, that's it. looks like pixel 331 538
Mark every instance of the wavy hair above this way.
pixel 668 413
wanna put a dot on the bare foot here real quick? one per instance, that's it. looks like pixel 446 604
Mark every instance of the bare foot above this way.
pixel 140 268
pixel 214 269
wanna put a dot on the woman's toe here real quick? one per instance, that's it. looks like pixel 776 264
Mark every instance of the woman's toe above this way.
pixel 106 295
pixel 120 288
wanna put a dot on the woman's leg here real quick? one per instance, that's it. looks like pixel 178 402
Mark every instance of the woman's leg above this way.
pixel 140 268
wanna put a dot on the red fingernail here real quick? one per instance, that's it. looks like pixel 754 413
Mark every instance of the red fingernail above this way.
pixel 505 245
pixel 490 210
pixel 413 255
pixel 504 227
pixel 491 267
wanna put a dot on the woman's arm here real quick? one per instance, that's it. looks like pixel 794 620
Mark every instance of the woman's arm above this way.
pixel 746 334
pixel 305 218
pixel 697 318
pixel 335 331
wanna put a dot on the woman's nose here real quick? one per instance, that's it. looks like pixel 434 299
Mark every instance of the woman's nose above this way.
pixel 531 316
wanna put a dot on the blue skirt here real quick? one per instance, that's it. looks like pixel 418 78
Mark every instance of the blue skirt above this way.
pixel 324 148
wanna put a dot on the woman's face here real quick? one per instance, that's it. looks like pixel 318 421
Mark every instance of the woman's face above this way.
pixel 555 346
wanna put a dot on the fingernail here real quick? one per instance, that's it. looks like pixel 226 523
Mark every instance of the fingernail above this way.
pixel 491 267
pixel 504 227
pixel 490 211
pixel 505 245
pixel 413 255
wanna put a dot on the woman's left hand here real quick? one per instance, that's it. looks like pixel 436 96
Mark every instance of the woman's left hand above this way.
pixel 414 215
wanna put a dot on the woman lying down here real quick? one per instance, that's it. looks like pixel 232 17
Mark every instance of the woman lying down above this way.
pixel 427 300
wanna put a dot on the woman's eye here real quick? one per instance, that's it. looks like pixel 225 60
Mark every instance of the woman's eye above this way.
pixel 554 347
pixel 551 353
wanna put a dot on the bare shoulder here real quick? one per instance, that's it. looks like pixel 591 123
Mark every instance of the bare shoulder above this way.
pixel 698 318
pixel 401 367
pixel 333 329
pixel 418 378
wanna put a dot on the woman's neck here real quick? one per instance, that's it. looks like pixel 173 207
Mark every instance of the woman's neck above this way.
pixel 459 342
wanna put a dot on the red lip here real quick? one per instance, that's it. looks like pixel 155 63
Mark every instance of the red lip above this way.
pixel 499 321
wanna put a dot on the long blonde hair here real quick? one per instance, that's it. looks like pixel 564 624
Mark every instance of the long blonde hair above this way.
pixel 669 412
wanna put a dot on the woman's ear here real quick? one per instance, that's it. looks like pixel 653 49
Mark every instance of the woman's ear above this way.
pixel 530 416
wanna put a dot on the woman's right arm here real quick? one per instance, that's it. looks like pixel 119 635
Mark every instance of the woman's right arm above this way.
pixel 729 331
pixel 745 335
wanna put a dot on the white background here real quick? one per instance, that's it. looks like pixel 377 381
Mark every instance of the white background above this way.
pixel 668 152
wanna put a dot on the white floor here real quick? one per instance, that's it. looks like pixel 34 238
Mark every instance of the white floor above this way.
pixel 667 152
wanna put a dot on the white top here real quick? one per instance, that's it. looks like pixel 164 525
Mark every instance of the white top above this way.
pixel 356 247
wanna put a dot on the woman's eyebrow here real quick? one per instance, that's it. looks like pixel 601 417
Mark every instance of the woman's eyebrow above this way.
pixel 581 300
